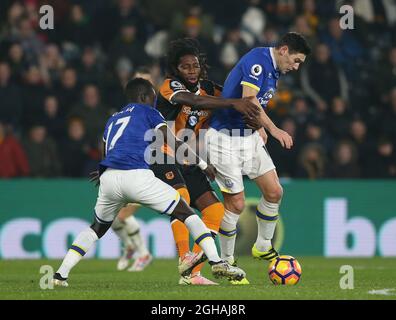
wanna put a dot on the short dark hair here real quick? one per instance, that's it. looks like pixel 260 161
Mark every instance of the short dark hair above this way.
pixel 142 69
pixel 180 48
pixel 137 87
pixel 295 42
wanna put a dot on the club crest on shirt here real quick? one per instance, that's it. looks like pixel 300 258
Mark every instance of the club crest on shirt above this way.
pixel 169 175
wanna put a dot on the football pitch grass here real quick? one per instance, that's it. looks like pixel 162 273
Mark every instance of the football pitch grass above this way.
pixel 99 279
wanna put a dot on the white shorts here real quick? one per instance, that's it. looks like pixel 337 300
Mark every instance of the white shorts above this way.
pixel 119 187
pixel 235 156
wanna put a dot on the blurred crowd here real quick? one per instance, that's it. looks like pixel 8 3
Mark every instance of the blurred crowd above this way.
pixel 57 87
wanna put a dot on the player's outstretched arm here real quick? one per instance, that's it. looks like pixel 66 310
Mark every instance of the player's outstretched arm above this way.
pixel 169 138
pixel 245 106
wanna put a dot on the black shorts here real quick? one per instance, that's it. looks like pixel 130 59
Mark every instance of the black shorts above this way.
pixel 169 173
pixel 191 176
pixel 196 181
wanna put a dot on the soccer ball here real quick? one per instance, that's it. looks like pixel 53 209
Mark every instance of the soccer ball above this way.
pixel 284 270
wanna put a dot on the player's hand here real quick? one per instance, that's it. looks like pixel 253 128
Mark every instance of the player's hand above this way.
pixel 252 123
pixel 94 177
pixel 247 107
pixel 283 137
pixel 210 172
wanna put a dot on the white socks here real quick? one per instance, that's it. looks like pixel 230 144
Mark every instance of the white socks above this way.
pixel 267 218
pixel 203 237
pixel 79 248
pixel 227 234
pixel 133 232
pixel 129 233
pixel 119 229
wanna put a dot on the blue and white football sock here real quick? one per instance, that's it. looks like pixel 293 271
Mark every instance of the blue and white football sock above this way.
pixel 267 217
pixel 228 232
pixel 203 237
pixel 79 248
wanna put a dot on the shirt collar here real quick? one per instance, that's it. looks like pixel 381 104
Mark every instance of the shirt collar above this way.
pixel 195 90
pixel 273 58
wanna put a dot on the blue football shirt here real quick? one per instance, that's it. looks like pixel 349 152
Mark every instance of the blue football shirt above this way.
pixel 255 69
pixel 125 134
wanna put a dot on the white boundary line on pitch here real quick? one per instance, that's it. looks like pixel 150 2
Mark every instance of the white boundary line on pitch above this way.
pixel 384 292
pixel 370 268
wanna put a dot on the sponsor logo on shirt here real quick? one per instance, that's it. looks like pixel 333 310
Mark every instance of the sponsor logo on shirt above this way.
pixel 192 121
pixel 267 97
pixel 198 113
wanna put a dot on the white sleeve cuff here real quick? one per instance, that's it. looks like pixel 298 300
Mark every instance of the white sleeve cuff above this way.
pixel 160 125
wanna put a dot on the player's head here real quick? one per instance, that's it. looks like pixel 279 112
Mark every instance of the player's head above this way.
pixel 186 62
pixel 141 91
pixel 144 73
pixel 292 50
